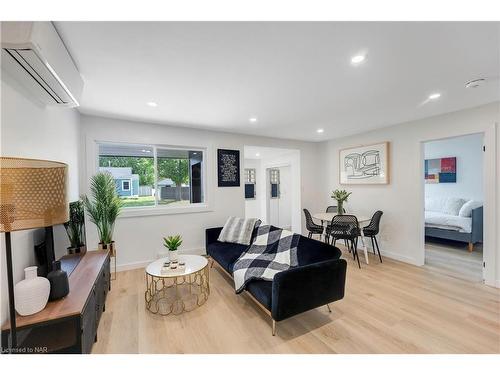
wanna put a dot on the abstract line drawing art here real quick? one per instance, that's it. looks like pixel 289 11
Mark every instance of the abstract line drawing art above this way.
pixel 364 164
pixel 442 170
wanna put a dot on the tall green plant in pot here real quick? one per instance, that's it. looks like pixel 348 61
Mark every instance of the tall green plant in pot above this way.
pixel 75 227
pixel 340 196
pixel 103 208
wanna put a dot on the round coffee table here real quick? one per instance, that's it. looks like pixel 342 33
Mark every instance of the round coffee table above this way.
pixel 175 291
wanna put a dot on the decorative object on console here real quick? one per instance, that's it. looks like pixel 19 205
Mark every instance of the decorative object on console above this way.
pixel 340 196
pixel 364 165
pixel 32 195
pixel 75 228
pixel 59 285
pixel 104 208
pixel 32 293
pixel 228 168
pixel 172 243
pixel 443 170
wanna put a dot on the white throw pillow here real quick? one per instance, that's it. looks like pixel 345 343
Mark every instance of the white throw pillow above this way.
pixel 466 210
pixel 453 206
pixel 435 204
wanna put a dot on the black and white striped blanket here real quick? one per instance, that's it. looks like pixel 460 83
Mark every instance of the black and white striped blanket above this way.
pixel 274 250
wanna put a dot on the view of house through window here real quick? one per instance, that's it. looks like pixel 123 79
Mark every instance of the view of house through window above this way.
pixel 178 174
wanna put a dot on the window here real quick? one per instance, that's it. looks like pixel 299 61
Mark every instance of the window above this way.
pixel 126 185
pixel 249 183
pixel 153 176
pixel 274 177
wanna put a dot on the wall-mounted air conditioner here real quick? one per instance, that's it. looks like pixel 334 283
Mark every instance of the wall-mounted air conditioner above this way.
pixel 34 54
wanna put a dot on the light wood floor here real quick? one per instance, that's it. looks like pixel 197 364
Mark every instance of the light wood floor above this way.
pixel 454 259
pixel 388 308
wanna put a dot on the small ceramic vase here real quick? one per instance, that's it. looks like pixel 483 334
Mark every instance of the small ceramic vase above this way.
pixel 59 285
pixel 32 293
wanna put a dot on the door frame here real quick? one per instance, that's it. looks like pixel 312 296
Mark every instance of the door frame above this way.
pixel 489 204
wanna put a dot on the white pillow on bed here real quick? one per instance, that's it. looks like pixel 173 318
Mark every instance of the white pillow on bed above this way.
pixel 452 206
pixel 466 210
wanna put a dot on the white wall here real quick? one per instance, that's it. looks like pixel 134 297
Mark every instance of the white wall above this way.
pixel 139 238
pixel 29 129
pixel 253 207
pixel 402 200
pixel 469 153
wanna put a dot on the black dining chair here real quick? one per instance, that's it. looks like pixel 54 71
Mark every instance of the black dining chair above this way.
pixel 333 209
pixel 372 229
pixel 346 227
pixel 311 226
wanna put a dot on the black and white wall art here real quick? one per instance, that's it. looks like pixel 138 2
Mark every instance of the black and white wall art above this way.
pixel 228 167
pixel 363 165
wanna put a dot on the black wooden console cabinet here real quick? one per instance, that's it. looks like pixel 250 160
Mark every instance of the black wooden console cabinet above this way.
pixel 70 324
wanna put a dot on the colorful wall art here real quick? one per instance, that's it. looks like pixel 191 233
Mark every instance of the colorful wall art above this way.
pixel 443 170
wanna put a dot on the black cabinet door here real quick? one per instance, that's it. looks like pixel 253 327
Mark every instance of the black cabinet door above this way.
pixel 89 323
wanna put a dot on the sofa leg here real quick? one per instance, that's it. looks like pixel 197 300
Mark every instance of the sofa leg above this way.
pixel 212 264
pixel 274 327
pixel 329 309
pixel 470 247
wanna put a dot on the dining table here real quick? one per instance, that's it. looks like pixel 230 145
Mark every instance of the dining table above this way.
pixel 327 217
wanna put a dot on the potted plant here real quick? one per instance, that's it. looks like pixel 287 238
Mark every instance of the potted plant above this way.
pixel 75 228
pixel 340 196
pixel 103 208
pixel 172 243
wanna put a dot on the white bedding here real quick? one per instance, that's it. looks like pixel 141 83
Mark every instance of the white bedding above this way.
pixel 443 221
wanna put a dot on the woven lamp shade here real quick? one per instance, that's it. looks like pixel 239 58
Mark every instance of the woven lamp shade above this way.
pixel 33 193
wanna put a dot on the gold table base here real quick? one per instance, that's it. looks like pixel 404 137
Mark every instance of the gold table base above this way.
pixel 167 294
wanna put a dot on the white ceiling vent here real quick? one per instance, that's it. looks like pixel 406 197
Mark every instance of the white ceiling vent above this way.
pixel 35 55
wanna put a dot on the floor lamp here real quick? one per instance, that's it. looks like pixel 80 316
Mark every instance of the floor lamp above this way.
pixel 32 195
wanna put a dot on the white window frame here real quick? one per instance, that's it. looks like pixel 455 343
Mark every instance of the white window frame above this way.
pixel 129 185
pixel 159 209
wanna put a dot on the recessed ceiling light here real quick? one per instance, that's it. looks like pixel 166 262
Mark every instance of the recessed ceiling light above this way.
pixel 152 104
pixel 434 96
pixel 475 83
pixel 257 154
pixel 252 119
pixel 320 131
pixel 358 59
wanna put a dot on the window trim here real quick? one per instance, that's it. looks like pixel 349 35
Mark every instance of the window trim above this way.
pixel 159 209
pixel 129 184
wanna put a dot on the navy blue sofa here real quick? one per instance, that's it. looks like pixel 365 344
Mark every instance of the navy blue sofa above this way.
pixel 318 279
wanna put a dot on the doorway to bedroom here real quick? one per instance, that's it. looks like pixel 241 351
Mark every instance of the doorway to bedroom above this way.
pixel 454 196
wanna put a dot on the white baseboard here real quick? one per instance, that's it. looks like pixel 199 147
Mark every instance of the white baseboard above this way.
pixel 143 263
pixel 399 257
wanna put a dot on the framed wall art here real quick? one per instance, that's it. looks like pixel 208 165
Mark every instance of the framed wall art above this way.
pixel 364 165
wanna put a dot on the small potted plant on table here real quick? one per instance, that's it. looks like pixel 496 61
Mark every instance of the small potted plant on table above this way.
pixel 172 243
pixel 340 196
pixel 103 208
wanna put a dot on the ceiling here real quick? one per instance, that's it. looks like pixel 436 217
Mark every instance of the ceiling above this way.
pixel 257 152
pixel 294 77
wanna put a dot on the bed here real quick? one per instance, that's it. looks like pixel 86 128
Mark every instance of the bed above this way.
pixel 445 218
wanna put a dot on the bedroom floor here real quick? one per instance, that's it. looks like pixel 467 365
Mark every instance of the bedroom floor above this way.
pixel 453 259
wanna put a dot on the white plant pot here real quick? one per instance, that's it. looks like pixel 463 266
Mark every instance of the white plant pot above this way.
pixel 173 255
pixel 32 293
